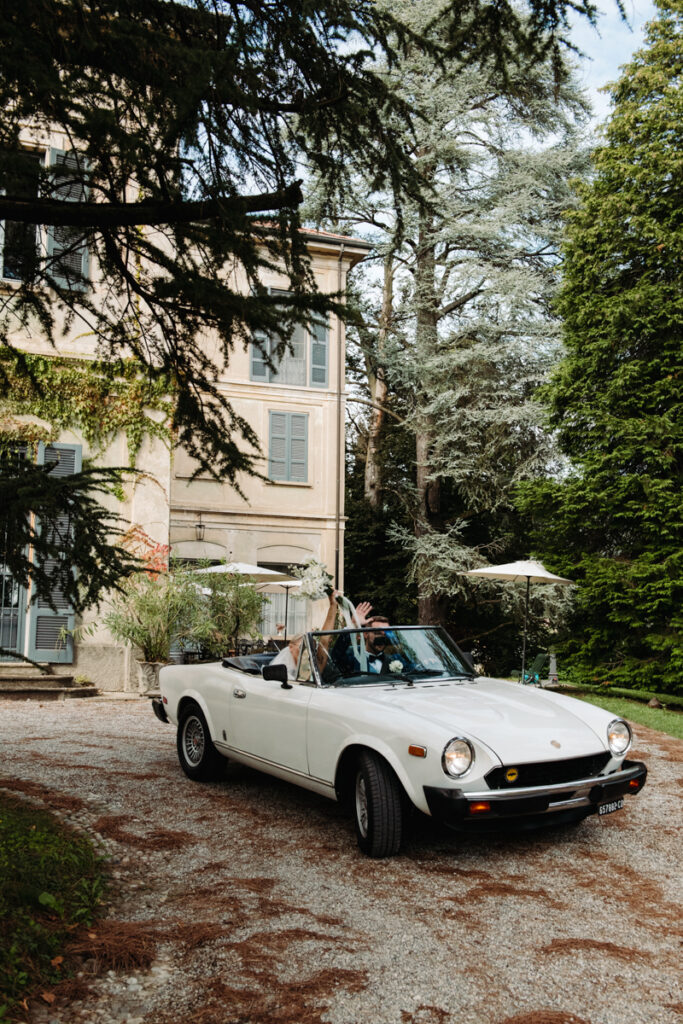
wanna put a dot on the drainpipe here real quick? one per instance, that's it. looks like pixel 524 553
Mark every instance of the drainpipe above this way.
pixel 340 432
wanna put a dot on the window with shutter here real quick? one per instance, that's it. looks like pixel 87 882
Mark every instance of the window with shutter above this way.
pixel 67 250
pixel 288 447
pixel 19 242
pixel 49 620
pixel 292 366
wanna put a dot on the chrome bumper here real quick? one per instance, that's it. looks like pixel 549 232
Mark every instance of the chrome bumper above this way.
pixel 456 807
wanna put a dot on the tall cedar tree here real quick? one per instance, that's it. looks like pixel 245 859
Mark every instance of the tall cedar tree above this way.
pixel 462 333
pixel 616 523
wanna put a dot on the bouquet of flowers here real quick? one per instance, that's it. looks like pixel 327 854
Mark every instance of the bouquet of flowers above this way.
pixel 316 582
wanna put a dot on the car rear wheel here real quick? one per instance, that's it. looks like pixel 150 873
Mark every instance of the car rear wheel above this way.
pixel 378 808
pixel 198 757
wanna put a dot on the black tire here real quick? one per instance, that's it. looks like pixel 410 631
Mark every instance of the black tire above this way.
pixel 198 757
pixel 377 806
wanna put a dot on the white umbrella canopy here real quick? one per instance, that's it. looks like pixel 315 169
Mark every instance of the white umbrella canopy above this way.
pixel 530 571
pixel 258 572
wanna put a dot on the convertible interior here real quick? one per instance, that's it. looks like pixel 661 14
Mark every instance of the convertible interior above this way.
pixel 250 663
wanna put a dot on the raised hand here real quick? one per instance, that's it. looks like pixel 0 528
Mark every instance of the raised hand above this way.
pixel 362 612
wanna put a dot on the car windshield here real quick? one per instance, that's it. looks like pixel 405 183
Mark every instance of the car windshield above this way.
pixel 362 657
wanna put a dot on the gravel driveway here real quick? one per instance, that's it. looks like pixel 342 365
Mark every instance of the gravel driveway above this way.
pixel 247 900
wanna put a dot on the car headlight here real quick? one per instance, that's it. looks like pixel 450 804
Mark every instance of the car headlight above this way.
pixel 618 737
pixel 457 757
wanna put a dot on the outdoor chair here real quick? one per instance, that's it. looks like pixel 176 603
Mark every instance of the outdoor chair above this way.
pixel 532 673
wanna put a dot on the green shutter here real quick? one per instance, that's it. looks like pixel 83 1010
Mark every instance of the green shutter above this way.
pixel 319 353
pixel 278 446
pixel 68 261
pixel 46 625
pixel 298 447
pixel 288 446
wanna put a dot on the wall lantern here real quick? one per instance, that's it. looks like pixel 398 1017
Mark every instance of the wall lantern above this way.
pixel 199 528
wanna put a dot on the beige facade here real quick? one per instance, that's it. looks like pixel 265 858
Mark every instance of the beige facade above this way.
pixel 279 521
pixel 294 513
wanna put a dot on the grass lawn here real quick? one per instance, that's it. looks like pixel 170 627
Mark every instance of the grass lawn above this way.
pixel 51 882
pixel 670 722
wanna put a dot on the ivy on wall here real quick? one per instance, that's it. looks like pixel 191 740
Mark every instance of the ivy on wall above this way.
pixel 98 399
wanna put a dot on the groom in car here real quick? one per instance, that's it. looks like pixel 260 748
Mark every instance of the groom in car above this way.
pixel 376 641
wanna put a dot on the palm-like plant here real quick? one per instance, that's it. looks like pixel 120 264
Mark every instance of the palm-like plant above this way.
pixel 154 610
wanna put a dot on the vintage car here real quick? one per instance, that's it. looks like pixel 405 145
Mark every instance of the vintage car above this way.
pixel 386 719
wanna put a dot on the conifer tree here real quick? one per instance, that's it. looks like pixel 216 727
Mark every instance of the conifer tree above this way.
pixel 187 124
pixel 463 331
pixel 615 523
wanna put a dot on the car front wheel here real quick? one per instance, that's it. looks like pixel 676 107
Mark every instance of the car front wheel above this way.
pixel 378 807
pixel 198 757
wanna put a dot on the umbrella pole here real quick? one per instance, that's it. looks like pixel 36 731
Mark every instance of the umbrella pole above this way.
pixel 526 615
pixel 286 610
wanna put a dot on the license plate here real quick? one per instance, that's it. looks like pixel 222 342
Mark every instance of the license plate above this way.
pixel 613 805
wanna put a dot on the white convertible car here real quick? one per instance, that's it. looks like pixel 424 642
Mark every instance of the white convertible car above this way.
pixel 386 719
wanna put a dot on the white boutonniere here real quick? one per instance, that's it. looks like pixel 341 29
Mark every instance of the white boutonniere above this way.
pixel 396 666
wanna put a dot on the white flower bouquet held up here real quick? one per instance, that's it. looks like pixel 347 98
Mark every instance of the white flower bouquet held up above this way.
pixel 316 581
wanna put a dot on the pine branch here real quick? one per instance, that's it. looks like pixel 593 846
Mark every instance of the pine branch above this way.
pixel 460 302
pixel 148 213
pixel 376 405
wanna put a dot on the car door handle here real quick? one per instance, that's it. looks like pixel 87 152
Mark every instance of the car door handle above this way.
pixel 239 693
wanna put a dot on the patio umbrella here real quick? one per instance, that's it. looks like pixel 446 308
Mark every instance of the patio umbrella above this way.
pixel 531 571
pixel 258 572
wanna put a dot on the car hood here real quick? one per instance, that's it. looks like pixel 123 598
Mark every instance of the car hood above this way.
pixel 518 723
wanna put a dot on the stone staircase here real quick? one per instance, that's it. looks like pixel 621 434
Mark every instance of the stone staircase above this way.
pixel 26 682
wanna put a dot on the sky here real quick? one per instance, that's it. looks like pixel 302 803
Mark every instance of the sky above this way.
pixel 609 49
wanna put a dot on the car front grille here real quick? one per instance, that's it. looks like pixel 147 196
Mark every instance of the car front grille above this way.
pixel 547 773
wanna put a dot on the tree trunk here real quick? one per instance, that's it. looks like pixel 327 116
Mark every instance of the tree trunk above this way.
pixel 378 390
pixel 431 607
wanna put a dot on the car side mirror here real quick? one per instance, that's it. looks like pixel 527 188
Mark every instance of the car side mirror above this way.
pixel 278 673
pixel 468 659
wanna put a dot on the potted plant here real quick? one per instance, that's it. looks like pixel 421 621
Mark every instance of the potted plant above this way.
pixel 153 611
